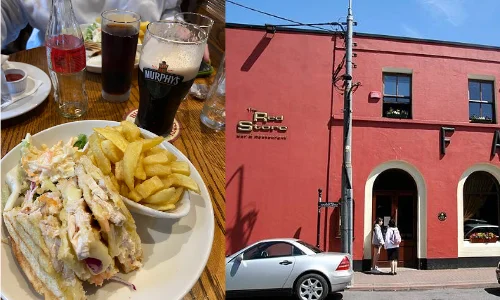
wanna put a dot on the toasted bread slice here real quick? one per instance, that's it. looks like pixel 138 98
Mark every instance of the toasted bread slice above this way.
pixel 37 266
pixel 30 274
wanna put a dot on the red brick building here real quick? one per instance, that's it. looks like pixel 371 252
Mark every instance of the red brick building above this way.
pixel 424 151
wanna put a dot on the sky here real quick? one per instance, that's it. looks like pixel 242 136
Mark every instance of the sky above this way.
pixel 466 21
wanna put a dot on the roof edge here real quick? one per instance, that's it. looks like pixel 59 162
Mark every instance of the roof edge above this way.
pixel 361 34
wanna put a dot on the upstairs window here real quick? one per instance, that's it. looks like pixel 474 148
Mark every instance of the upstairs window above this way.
pixel 481 102
pixel 397 96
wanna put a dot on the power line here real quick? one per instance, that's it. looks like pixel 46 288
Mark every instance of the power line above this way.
pixel 286 19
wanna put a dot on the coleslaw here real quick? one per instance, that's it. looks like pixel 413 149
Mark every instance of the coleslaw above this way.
pixel 93 33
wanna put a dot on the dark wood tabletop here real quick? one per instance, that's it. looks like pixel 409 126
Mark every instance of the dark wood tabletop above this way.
pixel 204 147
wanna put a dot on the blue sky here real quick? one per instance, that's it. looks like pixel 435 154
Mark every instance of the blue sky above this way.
pixel 468 21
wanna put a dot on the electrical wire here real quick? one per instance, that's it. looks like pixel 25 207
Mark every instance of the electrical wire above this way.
pixel 286 19
pixel 335 76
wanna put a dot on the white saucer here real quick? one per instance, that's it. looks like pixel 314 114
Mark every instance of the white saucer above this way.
pixel 30 102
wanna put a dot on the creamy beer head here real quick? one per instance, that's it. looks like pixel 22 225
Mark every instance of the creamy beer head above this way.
pixel 170 60
pixel 178 45
pixel 183 60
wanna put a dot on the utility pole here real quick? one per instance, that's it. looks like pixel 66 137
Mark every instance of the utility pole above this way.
pixel 347 201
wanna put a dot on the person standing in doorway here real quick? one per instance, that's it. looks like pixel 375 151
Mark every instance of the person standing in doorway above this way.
pixel 377 243
pixel 392 241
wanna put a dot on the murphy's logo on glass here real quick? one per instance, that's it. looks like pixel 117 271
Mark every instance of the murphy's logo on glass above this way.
pixel 162 75
pixel 262 122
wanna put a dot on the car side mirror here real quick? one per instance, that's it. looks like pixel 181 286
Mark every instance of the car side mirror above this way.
pixel 239 258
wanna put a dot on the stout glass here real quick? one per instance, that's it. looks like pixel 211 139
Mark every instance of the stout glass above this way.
pixel 120 31
pixel 171 55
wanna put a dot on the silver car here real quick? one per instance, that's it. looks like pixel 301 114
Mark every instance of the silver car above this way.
pixel 498 272
pixel 287 265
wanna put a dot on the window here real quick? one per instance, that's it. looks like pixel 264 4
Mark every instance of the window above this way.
pixel 311 247
pixel 252 253
pixel 297 251
pixel 279 249
pixel 481 204
pixel 481 102
pixel 271 249
pixel 397 96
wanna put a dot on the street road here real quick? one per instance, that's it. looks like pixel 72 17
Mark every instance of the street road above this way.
pixel 436 294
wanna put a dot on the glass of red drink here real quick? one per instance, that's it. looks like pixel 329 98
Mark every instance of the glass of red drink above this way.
pixel 120 32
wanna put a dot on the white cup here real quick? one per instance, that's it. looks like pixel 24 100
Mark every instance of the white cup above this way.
pixel 18 86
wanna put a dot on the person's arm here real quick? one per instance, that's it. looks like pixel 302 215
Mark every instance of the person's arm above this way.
pixel 388 237
pixel 168 14
pixel 14 19
pixel 380 238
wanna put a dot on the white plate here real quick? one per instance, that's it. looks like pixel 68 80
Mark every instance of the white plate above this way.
pixel 94 64
pixel 26 104
pixel 175 251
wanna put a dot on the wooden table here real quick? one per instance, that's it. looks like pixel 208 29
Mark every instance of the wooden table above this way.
pixel 204 148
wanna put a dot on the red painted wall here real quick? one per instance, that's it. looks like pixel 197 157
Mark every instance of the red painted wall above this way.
pixel 272 184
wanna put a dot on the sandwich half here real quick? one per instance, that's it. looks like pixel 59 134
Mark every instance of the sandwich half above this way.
pixel 71 228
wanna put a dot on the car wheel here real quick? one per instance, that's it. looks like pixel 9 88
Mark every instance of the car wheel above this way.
pixel 311 287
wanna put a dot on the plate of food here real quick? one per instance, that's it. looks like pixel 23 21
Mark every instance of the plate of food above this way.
pixel 92 37
pixel 68 231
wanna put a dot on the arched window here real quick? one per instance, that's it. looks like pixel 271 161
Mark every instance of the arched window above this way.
pixel 481 204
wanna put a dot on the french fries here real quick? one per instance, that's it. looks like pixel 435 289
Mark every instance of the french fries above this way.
pixel 184 181
pixel 130 131
pixel 139 168
pixel 101 159
pixel 149 187
pixel 180 167
pixel 130 160
pixel 158 158
pixel 139 171
pixel 150 143
pixel 114 136
pixel 157 170
pixel 111 151
pixel 160 196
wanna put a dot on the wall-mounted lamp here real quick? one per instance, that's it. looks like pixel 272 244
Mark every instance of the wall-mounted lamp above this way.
pixel 271 29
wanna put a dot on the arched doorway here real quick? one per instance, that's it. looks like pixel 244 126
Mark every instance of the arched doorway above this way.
pixel 395 196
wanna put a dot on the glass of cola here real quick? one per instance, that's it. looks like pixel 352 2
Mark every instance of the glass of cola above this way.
pixel 119 35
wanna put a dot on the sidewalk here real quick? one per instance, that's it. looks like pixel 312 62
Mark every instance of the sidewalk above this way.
pixel 411 279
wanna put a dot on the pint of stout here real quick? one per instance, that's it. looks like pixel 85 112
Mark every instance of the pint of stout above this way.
pixel 170 60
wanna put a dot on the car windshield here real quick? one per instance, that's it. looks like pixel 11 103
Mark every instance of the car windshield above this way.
pixel 311 247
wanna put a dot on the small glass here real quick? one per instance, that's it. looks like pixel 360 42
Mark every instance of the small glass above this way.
pixel 213 114
pixel 120 32
pixel 202 21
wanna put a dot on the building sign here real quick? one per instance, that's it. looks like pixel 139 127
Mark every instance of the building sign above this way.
pixel 262 126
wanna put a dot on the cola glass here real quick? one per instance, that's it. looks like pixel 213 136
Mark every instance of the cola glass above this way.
pixel 119 35
pixel 171 55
